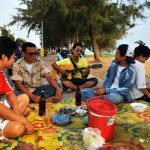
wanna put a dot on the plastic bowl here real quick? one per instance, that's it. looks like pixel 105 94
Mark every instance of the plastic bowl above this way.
pixel 138 107
pixel 62 120
pixel 81 112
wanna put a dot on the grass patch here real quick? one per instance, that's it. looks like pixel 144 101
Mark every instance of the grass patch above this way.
pixel 103 55
pixel 107 56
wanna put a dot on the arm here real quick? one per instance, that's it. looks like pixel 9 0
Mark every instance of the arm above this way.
pixel 127 84
pixel 84 64
pixel 86 72
pixel 110 74
pixel 140 79
pixel 9 114
pixel 18 79
pixel 146 92
pixel 58 68
pixel 12 99
pixel 26 91
pixel 54 84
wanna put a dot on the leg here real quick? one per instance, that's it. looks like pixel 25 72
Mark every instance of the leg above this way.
pixel 69 84
pixel 91 82
pixel 23 101
pixel 115 98
pixel 49 91
pixel 85 83
pixel 12 129
pixel 87 93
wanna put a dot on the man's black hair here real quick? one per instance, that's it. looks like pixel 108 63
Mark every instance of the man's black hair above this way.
pixel 7 46
pixel 77 44
pixel 142 50
pixel 123 50
pixel 27 44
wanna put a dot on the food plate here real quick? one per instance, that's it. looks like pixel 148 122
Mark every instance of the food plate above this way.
pixel 62 120
pixel 85 120
pixel 67 110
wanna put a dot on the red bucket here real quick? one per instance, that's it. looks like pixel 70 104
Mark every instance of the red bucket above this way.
pixel 101 115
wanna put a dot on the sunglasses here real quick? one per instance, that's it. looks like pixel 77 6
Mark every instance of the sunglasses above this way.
pixel 32 53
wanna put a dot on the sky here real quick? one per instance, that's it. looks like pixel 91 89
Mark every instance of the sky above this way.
pixel 7 9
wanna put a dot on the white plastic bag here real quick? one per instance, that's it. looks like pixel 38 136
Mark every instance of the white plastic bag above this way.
pixel 92 139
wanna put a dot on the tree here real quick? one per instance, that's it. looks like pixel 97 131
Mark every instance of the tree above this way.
pixel 6 32
pixel 20 41
pixel 98 22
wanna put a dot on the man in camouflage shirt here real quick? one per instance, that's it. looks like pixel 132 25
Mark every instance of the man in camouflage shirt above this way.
pixel 27 75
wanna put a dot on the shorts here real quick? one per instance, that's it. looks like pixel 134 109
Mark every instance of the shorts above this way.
pixel 3 122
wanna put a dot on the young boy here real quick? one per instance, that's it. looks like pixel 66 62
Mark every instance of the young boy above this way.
pixel 141 54
pixel 119 79
pixel 13 109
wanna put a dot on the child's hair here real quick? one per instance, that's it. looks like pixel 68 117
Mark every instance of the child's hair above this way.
pixel 142 50
pixel 125 50
pixel 27 44
pixel 7 46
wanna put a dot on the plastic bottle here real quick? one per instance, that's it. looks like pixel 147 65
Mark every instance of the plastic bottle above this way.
pixel 42 104
pixel 78 96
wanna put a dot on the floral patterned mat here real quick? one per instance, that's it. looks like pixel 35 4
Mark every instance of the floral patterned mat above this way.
pixel 126 136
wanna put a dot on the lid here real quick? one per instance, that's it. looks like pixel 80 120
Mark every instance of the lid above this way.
pixel 102 107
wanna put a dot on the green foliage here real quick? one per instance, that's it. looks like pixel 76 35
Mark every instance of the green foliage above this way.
pixel 6 32
pixel 20 41
pixel 83 20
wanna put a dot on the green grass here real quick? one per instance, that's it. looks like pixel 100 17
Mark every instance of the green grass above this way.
pixel 107 56
pixel 103 55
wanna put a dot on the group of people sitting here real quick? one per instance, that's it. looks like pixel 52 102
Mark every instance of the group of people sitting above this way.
pixel 124 81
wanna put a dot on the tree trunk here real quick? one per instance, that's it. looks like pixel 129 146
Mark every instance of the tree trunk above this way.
pixel 95 46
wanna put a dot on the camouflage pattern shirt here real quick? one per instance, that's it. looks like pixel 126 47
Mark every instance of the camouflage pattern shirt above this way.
pixel 30 81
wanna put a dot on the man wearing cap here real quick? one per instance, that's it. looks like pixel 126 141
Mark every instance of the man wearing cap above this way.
pixel 79 78
pixel 119 79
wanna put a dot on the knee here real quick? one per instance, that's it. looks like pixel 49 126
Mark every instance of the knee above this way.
pixel 87 93
pixel 14 130
pixel 115 98
pixel 18 129
pixel 25 98
pixel 95 81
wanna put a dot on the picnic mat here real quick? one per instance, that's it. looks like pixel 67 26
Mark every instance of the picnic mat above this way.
pixel 70 137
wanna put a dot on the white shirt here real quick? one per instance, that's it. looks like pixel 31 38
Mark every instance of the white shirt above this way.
pixel 30 67
pixel 116 80
pixel 140 81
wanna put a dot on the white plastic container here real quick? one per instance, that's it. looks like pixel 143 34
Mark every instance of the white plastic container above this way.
pixel 138 107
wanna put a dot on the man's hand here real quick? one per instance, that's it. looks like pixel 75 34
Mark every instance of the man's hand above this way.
pixel 29 127
pixel 100 91
pixel 58 95
pixel 35 98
